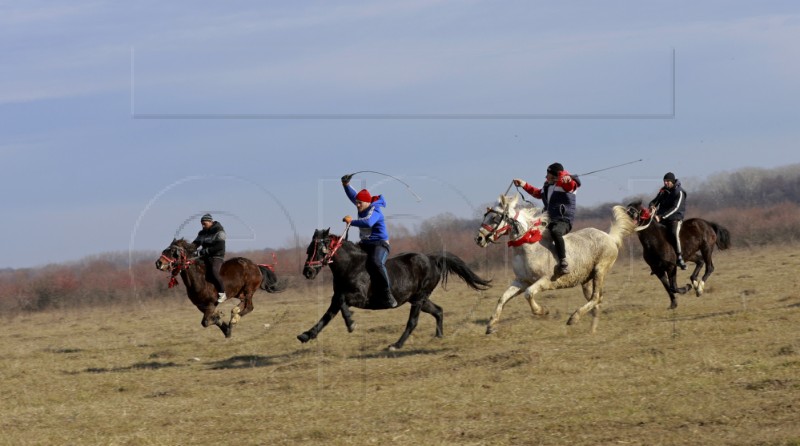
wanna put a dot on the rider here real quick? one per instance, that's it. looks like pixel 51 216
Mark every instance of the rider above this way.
pixel 211 240
pixel 374 240
pixel 558 196
pixel 669 206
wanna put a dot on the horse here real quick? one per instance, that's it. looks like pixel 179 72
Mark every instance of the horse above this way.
pixel 241 277
pixel 698 238
pixel 413 278
pixel 591 253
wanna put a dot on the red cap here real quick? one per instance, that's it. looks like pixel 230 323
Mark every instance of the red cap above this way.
pixel 364 195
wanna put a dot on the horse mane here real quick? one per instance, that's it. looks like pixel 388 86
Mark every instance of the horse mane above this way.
pixel 183 243
pixel 532 212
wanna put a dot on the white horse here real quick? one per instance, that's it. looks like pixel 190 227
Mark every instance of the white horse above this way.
pixel 590 251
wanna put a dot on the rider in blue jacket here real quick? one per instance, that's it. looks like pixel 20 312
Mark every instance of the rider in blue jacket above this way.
pixel 374 240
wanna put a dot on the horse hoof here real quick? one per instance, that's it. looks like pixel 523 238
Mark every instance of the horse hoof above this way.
pixel 490 330
pixel 303 337
pixel 393 348
pixel 351 328
pixel 673 306
pixel 572 320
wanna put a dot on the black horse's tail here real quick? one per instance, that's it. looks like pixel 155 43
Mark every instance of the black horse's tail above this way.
pixel 723 236
pixel 269 281
pixel 450 263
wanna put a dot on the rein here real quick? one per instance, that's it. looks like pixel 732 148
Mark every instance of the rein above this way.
pixel 270 266
pixel 533 235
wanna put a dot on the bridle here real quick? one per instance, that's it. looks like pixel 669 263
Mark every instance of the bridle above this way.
pixel 640 216
pixel 328 250
pixel 504 224
pixel 177 265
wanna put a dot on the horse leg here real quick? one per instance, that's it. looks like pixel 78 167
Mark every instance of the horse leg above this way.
pixel 347 315
pixel 700 287
pixel 536 309
pixel 698 265
pixel 330 313
pixel 437 313
pixel 593 295
pixel 673 303
pixel 513 290
pixel 246 305
pixel 212 316
pixel 413 317
pixel 588 291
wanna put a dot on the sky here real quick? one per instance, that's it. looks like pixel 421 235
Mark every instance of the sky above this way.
pixel 122 123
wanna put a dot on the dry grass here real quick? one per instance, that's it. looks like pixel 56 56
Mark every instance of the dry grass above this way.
pixel 721 369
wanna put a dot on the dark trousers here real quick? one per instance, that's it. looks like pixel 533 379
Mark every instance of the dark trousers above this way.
pixel 377 253
pixel 674 227
pixel 558 229
pixel 213 266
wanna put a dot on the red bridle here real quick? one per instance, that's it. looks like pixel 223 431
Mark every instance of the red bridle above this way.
pixel 333 246
pixel 176 266
pixel 498 231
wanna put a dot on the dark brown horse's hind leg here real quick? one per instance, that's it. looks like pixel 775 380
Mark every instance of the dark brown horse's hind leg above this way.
pixel 673 301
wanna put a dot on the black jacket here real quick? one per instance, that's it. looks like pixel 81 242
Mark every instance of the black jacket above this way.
pixel 212 241
pixel 671 203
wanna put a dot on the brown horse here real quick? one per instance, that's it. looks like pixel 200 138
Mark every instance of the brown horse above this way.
pixel 698 238
pixel 241 277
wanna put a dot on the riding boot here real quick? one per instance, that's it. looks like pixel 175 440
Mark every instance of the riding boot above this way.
pixel 390 300
pixel 680 262
pixel 222 297
pixel 563 266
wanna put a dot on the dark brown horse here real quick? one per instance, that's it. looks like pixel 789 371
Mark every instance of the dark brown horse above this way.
pixel 241 277
pixel 698 238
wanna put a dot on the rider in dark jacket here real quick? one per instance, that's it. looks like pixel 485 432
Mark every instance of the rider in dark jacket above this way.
pixel 558 196
pixel 211 241
pixel 669 206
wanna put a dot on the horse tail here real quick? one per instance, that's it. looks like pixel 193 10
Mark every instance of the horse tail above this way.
pixel 723 235
pixel 269 281
pixel 623 225
pixel 448 263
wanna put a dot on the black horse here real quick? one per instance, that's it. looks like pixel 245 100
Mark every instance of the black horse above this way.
pixel 413 276
pixel 698 238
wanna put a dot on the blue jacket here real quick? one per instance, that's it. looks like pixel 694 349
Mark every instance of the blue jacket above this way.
pixel 370 222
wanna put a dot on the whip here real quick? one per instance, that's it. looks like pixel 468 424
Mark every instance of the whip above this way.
pixel 390 176
pixel 608 168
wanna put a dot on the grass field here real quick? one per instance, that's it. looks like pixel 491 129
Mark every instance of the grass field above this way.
pixel 721 369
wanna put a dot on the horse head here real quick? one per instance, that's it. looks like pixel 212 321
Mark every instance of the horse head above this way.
pixel 176 255
pixel 640 215
pixel 317 253
pixel 498 220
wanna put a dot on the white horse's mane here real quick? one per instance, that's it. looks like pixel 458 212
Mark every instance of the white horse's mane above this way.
pixel 528 209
